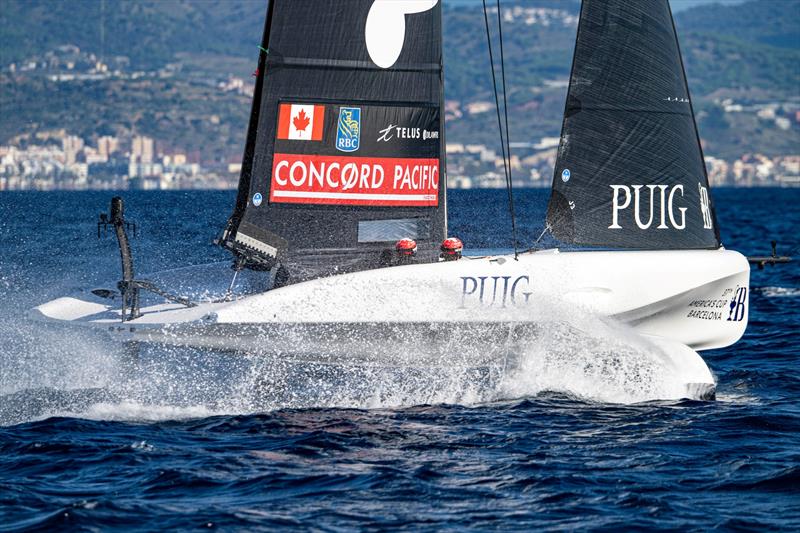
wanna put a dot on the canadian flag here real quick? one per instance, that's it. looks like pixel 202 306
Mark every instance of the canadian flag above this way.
pixel 301 122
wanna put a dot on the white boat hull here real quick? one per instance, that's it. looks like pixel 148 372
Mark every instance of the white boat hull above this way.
pixel 683 300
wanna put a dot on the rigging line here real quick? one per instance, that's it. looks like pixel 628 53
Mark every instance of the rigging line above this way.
pixel 509 182
pixel 494 88
pixel 500 124
pixel 545 230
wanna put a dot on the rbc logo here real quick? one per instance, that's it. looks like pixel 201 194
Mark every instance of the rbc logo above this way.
pixel 737 305
pixel 348 131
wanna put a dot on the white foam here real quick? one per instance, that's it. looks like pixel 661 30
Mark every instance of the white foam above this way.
pixel 573 353
pixel 779 292
pixel 131 411
pixel 606 365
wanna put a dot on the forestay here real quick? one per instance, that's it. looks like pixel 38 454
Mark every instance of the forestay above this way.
pixel 630 170
pixel 344 149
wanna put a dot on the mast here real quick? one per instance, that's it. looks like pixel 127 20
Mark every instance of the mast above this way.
pixel 630 171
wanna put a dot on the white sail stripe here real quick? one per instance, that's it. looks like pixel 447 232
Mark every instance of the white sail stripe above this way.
pixel 353 196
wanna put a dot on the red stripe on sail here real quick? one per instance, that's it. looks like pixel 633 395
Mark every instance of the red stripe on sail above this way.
pixel 319 121
pixel 284 117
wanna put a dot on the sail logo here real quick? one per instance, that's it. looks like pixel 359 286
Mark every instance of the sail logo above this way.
pixel 705 207
pixel 348 130
pixel 670 216
pixel 738 305
pixel 301 122
pixel 350 180
pixel 392 131
pixel 495 291
pixel 385 30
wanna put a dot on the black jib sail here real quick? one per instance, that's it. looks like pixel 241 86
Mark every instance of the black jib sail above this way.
pixel 345 146
pixel 630 170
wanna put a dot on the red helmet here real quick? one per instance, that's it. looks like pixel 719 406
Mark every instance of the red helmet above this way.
pixel 406 247
pixel 452 248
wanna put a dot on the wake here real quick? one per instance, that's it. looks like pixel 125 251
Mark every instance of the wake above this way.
pixel 55 372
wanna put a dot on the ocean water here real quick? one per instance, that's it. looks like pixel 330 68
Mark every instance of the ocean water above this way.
pixel 91 439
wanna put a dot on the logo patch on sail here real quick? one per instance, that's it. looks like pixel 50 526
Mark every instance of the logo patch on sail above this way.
pixel 348 129
pixel 663 199
pixel 705 207
pixel 301 122
pixel 342 180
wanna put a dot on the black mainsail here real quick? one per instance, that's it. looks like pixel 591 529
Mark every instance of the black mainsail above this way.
pixel 630 171
pixel 344 152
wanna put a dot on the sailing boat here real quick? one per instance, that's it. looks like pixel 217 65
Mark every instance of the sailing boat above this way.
pixel 339 232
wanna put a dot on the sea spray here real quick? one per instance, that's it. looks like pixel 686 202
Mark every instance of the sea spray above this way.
pixel 572 352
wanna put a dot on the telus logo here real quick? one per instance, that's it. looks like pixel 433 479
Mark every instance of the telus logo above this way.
pixel 385 31
pixel 622 201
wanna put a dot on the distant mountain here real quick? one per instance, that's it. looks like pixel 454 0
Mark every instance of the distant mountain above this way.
pixel 150 33
pixel 750 50
pixel 753 45
pixel 766 22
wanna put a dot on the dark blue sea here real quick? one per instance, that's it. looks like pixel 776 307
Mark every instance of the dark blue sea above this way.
pixel 93 440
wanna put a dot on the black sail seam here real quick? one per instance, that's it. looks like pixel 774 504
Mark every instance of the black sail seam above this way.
pixel 309 62
pixel 629 110
pixel 357 101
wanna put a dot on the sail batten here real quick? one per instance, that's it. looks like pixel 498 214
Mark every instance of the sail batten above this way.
pixel 347 64
pixel 629 170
